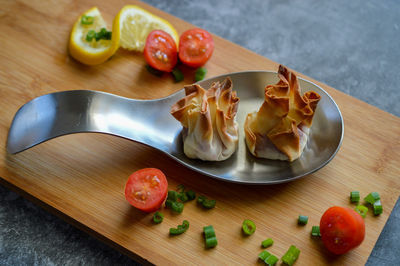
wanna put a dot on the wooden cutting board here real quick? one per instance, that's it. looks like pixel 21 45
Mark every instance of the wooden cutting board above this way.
pixel 81 177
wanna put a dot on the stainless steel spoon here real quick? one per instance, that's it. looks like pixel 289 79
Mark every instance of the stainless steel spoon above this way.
pixel 149 122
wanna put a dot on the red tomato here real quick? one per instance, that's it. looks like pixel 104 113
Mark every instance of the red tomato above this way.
pixel 342 229
pixel 195 47
pixel 160 51
pixel 146 189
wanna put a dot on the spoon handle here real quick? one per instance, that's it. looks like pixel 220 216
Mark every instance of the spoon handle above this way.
pixel 67 112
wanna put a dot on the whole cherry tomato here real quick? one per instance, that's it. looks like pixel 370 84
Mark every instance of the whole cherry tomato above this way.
pixel 342 229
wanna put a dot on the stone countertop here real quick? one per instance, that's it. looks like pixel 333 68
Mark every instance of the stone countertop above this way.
pixel 352 46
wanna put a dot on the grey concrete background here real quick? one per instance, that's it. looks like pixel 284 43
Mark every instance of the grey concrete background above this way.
pixel 352 46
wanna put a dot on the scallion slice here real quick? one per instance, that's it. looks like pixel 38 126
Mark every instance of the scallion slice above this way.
pixel 271 260
pixel 90 35
pixel 200 199
pixel 87 20
pixel 303 220
pixel 362 210
pixel 248 227
pixel 154 71
pixel 183 197
pixel 211 242
pixel 267 243
pixel 209 236
pixel 177 206
pixel 209 203
pixel 103 34
pixel 268 258
pixel 168 204
pixel 378 207
pixel 200 74
pixel 158 217
pixel 315 231
pixel 355 196
pixel 180 229
pixel 206 203
pixel 172 195
pixel 263 255
pixel 190 194
pixel 107 35
pixel 180 188
pixel 208 231
pixel 372 197
pixel 291 255
pixel 178 75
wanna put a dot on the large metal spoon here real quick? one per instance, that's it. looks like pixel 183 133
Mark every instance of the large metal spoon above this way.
pixel 149 122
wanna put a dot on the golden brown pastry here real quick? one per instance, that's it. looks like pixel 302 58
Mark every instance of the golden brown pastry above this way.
pixel 210 130
pixel 280 128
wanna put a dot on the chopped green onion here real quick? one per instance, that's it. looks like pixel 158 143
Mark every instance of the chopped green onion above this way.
pixel 180 188
pixel 291 255
pixel 303 220
pixel 206 203
pixel 154 71
pixel 315 231
pixel 248 227
pixel 271 260
pixel 209 236
pixel 268 258
pixel 87 20
pixel 362 210
pixel 99 35
pixel 180 229
pixel 103 34
pixel 172 195
pixel 158 217
pixel 355 196
pixel 178 75
pixel 107 35
pixel 183 197
pixel 200 74
pixel 177 206
pixel 267 243
pixel 200 199
pixel 208 231
pixel 168 203
pixel 211 242
pixel 191 194
pixel 209 203
pixel 90 35
pixel 372 197
pixel 378 207
pixel 263 255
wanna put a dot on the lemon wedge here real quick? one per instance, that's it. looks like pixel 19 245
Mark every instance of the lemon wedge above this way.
pixel 135 24
pixel 92 52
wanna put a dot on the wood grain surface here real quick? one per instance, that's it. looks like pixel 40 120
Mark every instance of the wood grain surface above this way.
pixel 81 177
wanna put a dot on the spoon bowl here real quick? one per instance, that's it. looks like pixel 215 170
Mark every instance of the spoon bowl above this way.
pixel 150 122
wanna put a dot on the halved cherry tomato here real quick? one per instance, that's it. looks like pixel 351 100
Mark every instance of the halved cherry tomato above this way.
pixel 342 229
pixel 160 51
pixel 146 189
pixel 195 47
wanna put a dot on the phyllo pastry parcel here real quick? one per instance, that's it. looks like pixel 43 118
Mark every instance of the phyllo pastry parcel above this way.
pixel 210 130
pixel 281 127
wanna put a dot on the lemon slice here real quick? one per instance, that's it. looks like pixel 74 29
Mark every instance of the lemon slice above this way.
pixel 92 52
pixel 135 24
